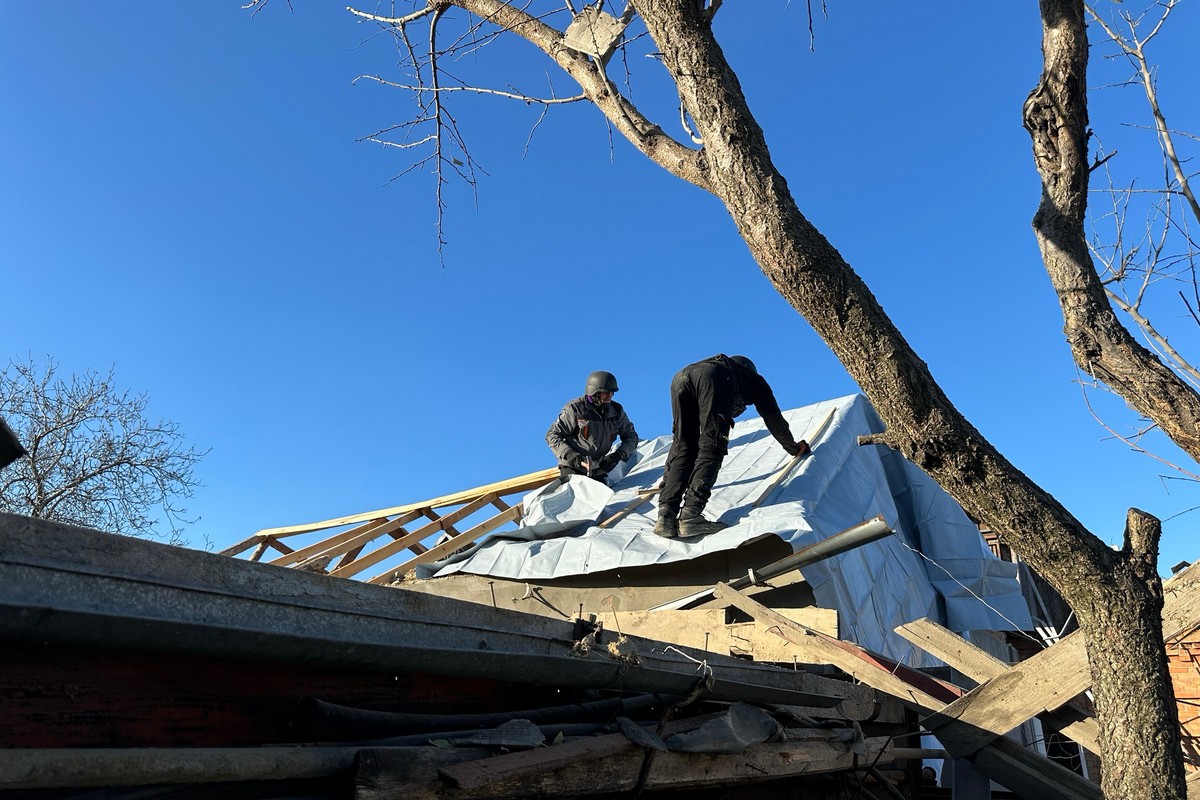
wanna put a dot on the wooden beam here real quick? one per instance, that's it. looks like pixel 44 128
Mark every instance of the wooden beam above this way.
pixel 351 555
pixel 633 505
pixel 346 541
pixel 1043 682
pixel 280 546
pixel 448 547
pixel 240 547
pixel 511 486
pixel 258 551
pixel 399 545
pixel 1022 771
pixel 1030 775
pixel 914 688
pixel 706 630
pixel 981 667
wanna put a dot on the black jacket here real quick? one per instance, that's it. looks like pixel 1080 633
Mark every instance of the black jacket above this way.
pixel 733 387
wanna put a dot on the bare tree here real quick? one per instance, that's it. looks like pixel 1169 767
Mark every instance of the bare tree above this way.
pixel 1142 240
pixel 1116 594
pixel 94 458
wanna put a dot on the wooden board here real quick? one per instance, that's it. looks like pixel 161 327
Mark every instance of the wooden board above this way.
pixel 1004 761
pixel 980 666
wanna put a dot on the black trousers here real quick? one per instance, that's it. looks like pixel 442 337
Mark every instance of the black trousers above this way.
pixel 702 398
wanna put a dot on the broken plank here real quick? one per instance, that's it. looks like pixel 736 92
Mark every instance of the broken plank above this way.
pixel 981 667
pixel 1024 772
pixel 513 766
pixel 1040 683
pixel 910 686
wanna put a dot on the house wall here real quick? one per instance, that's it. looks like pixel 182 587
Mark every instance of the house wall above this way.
pixel 1184 663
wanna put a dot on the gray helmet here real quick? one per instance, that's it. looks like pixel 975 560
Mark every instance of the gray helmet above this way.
pixel 745 362
pixel 601 381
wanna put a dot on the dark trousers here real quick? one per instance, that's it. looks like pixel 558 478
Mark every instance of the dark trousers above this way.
pixel 701 402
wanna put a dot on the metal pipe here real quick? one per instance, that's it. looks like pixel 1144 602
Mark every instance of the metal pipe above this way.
pixel 849 539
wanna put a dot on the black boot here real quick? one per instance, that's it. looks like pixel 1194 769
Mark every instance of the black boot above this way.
pixel 696 525
pixel 666 526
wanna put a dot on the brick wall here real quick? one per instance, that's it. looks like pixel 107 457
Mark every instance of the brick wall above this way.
pixel 1184 663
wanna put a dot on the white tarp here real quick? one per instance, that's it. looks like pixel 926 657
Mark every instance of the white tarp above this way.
pixel 562 505
pixel 936 565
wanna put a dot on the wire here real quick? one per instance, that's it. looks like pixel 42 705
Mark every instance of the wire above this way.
pixel 995 610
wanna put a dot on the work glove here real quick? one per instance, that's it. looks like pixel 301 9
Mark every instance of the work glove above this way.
pixel 577 461
pixel 611 460
pixel 800 449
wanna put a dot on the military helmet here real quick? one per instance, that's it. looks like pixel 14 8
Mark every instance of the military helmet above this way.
pixel 745 362
pixel 601 381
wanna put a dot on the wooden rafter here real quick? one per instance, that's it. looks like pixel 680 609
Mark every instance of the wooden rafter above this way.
pixel 440 523
pixel 446 548
pixel 521 483
pixel 353 547
pixel 348 540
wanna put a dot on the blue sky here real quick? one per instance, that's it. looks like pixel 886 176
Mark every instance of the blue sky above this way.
pixel 184 197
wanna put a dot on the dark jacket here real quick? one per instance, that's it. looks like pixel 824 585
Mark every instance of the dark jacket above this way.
pixel 724 389
pixel 587 429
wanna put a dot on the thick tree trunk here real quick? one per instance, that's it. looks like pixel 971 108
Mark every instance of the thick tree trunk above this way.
pixel 1122 624
pixel 1117 600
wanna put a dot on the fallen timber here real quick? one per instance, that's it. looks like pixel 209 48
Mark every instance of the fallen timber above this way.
pixel 128 663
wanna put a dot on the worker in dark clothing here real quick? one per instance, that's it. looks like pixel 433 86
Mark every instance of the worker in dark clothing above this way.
pixel 705 397
pixel 588 427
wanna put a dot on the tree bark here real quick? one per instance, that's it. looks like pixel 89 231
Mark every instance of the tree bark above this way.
pixel 1116 599
pixel 1056 117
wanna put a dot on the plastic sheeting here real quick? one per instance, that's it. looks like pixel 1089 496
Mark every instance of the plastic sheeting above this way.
pixel 562 505
pixel 936 565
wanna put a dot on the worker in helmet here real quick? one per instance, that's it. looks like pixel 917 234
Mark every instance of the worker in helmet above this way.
pixel 705 397
pixel 584 434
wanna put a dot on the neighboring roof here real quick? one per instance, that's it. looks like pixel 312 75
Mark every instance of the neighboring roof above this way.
pixel 936 565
